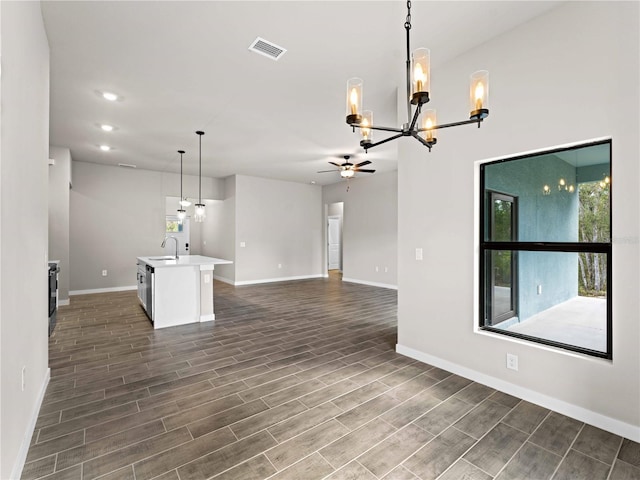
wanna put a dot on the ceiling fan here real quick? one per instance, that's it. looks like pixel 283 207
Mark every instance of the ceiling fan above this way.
pixel 348 169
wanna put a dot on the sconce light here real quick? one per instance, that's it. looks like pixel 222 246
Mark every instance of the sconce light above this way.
pixel 562 186
pixel 546 190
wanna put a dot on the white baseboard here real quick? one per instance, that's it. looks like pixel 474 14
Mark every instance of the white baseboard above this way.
pixel 609 424
pixel 223 279
pixel 372 284
pixel 103 290
pixel 279 279
pixel 16 472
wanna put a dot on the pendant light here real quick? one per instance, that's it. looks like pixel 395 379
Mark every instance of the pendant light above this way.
pixel 182 213
pixel 200 212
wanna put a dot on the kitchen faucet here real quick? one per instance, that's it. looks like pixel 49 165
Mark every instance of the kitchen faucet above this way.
pixel 164 242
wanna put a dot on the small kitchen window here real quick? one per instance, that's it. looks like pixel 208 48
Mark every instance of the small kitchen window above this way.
pixel 174 226
pixel 545 248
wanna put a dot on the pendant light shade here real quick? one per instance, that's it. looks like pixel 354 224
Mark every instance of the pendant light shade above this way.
pixel 200 213
pixel 182 213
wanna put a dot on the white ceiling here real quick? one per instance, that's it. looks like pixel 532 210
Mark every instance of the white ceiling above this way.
pixel 184 66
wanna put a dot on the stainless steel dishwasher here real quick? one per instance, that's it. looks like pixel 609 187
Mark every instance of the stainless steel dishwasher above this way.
pixel 145 288
pixel 149 274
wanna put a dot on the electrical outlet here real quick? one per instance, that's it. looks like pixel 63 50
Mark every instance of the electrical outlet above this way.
pixel 24 380
pixel 243 244
pixel 386 269
pixel 512 361
pixel 539 290
pixel 418 254
pixel 377 269
pixel 279 265
pixel 104 273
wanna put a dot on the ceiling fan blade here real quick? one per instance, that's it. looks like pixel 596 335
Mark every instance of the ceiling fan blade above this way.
pixel 326 171
pixel 334 163
pixel 362 164
pixel 365 170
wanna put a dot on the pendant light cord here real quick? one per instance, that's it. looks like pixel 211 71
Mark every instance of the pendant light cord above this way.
pixel 200 167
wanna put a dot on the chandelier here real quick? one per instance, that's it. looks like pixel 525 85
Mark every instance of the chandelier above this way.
pixel 418 83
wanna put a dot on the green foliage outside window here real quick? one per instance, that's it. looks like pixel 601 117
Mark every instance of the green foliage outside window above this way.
pixel 593 227
pixel 173 226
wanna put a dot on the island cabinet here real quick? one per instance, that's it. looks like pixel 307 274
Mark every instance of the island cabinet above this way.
pixel 177 291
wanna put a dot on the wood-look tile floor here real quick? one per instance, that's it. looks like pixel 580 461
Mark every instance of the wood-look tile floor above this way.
pixel 295 380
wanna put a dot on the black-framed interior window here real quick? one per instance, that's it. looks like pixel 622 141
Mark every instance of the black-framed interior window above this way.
pixel 545 248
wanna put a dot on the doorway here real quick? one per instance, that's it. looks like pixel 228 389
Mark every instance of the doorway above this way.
pixel 334 236
pixel 502 272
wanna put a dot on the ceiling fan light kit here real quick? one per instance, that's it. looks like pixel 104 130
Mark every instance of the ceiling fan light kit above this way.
pixel 418 87
pixel 348 169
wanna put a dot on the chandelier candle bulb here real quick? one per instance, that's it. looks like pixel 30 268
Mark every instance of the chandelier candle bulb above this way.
pixel 367 121
pixel 429 122
pixel 479 95
pixel 354 101
pixel 421 76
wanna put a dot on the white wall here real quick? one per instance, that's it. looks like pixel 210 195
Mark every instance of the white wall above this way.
pixel 59 183
pixel 24 152
pixel 219 231
pixel 118 214
pixel 568 76
pixel 281 224
pixel 370 227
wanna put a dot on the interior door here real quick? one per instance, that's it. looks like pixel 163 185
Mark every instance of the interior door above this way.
pixel 181 232
pixel 333 243
pixel 503 274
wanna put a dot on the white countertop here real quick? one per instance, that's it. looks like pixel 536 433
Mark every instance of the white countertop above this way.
pixel 184 260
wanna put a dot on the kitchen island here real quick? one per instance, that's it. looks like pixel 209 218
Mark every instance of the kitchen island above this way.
pixel 177 291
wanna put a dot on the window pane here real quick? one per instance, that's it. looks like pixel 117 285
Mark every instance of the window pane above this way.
pixel 561 196
pixel 560 298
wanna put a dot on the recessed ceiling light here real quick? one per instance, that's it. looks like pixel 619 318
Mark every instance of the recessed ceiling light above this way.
pixel 112 97
pixel 105 148
pixel 313 182
pixel 106 128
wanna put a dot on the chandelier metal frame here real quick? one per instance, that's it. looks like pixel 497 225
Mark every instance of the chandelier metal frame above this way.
pixel 418 98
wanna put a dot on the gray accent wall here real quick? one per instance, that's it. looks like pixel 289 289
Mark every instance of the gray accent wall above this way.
pixel 24 153
pixel 59 186
pixel 369 227
pixel 568 76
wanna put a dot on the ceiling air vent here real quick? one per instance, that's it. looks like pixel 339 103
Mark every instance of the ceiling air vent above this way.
pixel 266 48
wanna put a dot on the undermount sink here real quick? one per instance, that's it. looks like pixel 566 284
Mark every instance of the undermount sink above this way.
pixel 162 258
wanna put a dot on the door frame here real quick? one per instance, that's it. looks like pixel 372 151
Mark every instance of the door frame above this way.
pixel 490 270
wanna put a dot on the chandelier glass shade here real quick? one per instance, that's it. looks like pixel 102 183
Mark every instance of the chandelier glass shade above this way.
pixel 182 214
pixel 418 79
pixel 200 212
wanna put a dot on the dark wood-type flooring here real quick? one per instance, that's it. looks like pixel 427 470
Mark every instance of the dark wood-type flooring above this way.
pixel 295 380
